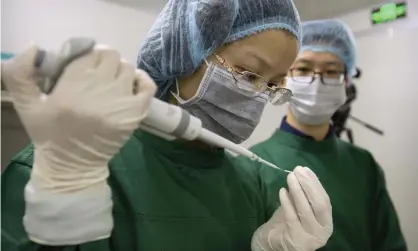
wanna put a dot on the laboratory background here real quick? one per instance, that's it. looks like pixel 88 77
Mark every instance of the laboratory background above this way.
pixel 384 111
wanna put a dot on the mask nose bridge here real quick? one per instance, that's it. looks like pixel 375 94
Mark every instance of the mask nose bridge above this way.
pixel 318 75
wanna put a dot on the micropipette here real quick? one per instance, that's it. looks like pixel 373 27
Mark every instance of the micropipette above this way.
pixel 163 119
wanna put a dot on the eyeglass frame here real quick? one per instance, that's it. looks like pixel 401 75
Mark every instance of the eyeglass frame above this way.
pixel 231 70
pixel 342 78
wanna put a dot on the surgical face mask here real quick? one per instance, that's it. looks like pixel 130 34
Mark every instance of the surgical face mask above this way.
pixel 222 107
pixel 315 103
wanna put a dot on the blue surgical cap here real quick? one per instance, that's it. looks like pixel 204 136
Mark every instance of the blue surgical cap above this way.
pixel 188 31
pixel 331 36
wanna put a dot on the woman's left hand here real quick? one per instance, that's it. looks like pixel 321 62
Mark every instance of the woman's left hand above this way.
pixel 303 222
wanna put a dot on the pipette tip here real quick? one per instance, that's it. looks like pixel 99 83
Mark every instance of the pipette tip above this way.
pixel 271 165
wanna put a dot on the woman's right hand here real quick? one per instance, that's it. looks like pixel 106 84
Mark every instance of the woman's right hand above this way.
pixel 76 130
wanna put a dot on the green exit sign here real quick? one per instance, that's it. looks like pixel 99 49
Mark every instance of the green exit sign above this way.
pixel 389 12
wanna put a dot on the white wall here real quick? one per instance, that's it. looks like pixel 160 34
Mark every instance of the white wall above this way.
pixel 50 22
pixel 388 99
pixel 388 94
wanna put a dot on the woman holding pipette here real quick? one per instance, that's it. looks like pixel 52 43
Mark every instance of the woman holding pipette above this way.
pixel 90 181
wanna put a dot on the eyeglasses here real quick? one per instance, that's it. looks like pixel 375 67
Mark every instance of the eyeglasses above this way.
pixel 253 84
pixel 307 76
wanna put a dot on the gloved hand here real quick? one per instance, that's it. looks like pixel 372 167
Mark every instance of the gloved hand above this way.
pixel 75 130
pixel 303 222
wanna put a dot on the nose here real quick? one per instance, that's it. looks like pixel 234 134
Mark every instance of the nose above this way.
pixel 317 74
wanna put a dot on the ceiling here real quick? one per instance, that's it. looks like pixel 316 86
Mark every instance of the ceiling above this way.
pixel 308 9
pixel 318 9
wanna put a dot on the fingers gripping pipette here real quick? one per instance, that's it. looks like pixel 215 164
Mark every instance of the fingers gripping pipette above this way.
pixel 164 120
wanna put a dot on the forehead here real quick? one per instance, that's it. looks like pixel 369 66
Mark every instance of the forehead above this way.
pixel 319 58
pixel 271 48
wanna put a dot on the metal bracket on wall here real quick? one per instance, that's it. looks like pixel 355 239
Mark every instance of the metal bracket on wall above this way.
pixel 5 97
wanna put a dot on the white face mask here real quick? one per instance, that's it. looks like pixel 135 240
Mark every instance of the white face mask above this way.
pixel 315 103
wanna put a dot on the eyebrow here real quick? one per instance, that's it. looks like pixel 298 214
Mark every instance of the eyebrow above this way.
pixel 305 61
pixel 327 63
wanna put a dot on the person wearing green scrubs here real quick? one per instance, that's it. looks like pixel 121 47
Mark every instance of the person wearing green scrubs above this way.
pixel 90 181
pixel 363 213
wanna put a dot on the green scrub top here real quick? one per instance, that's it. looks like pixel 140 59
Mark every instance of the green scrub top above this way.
pixel 363 214
pixel 167 196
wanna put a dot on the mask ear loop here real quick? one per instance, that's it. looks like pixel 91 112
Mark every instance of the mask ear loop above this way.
pixel 176 95
pixel 177 82
pixel 177 87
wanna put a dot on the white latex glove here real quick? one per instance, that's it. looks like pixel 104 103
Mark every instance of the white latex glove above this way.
pixel 76 130
pixel 303 222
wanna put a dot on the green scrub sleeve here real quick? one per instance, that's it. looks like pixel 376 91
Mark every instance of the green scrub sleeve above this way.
pixel 269 181
pixel 386 228
pixel 13 235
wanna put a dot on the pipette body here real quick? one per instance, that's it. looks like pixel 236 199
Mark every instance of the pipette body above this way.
pixel 163 119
